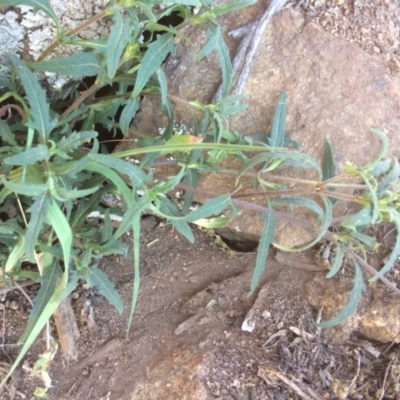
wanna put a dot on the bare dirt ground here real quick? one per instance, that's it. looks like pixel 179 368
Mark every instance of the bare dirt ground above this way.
pixel 187 328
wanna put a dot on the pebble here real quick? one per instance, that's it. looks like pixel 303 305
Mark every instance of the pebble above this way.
pixel 14 305
pixel 377 50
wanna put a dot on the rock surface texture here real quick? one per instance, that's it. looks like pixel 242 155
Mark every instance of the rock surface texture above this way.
pixel 335 91
pixel 29 34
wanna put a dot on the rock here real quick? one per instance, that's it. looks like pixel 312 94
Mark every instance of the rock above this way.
pixel 14 305
pixel 335 91
pixel 23 31
pixel 381 321
pixel 180 375
pixel 377 316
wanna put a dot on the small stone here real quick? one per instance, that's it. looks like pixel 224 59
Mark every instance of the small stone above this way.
pixel 266 314
pixel 96 300
pixel 14 305
pixel 376 49
pixel 75 295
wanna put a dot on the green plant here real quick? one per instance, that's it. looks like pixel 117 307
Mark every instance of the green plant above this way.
pixel 54 174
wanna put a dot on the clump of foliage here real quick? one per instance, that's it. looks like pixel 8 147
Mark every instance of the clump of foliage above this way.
pixel 55 175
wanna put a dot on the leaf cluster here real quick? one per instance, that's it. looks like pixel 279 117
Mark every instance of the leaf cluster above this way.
pixel 56 177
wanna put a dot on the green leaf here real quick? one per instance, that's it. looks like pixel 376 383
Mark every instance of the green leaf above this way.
pixel 191 178
pixel 114 178
pixel 162 80
pixel 107 230
pixel 395 251
pixel 391 176
pixel 301 202
pixel 72 141
pixel 135 174
pixel 39 115
pixel 77 65
pixel 231 6
pixel 128 113
pixel 323 229
pixel 136 264
pixel 96 277
pixel 120 36
pixel 99 45
pixel 276 156
pixel 226 66
pixel 351 306
pixel 384 149
pixel 75 193
pixel 328 165
pixel 42 5
pixel 360 219
pixel 26 189
pixel 210 207
pixel 6 135
pixel 277 137
pixel 267 236
pixel 214 35
pixel 63 231
pixel 48 311
pixel 136 209
pixel 86 206
pixel 29 156
pixel 337 260
pixel 381 168
pixel 16 255
pixel 168 207
pixel 48 285
pixel 152 60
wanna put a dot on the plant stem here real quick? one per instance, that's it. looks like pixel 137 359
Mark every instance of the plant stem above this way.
pixel 79 100
pixel 83 25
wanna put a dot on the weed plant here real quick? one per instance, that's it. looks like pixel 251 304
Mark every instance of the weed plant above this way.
pixel 55 175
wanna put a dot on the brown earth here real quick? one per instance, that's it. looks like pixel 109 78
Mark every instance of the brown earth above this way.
pixel 186 339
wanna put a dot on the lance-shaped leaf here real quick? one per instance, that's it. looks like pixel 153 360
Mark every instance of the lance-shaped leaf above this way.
pixel 48 311
pixel 136 209
pixel 42 5
pixel 107 172
pixel 277 137
pixel 38 212
pixel 337 260
pixel 48 285
pixel 29 156
pixel 97 278
pixel 152 60
pixel 328 166
pixel 231 6
pixel 120 36
pixel 135 174
pixel 226 65
pixel 39 114
pixel 395 251
pixel 136 265
pixel 168 207
pixel 6 135
pixel 301 202
pixel 214 35
pixel 63 231
pixel 162 80
pixel 77 65
pixel 267 236
pixel 128 113
pixel 27 189
pixel 351 306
